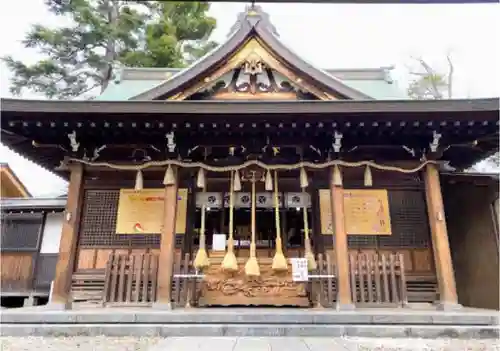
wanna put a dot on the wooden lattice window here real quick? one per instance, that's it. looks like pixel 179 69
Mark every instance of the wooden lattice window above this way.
pixel 98 224
pixel 21 232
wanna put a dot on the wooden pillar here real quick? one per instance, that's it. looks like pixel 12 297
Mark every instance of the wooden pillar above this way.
pixel 167 247
pixel 344 300
pixel 318 244
pixel 190 216
pixel 68 244
pixel 440 243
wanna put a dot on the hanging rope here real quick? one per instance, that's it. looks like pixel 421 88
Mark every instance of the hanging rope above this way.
pixel 201 260
pixel 229 263
pixel 252 266
pixel 279 259
pixel 282 167
pixel 308 253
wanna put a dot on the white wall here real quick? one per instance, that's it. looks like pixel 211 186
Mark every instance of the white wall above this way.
pixel 52 233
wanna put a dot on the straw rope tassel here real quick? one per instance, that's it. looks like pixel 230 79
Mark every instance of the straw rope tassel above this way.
pixel 308 254
pixel 237 181
pixel 201 260
pixel 368 176
pixel 304 182
pixel 139 181
pixel 268 181
pixel 200 179
pixel 169 178
pixel 337 176
pixel 229 263
pixel 279 259
pixel 252 266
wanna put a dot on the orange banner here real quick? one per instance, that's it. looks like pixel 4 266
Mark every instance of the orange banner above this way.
pixel 141 212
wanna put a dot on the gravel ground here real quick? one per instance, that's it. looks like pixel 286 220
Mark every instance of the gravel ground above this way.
pixel 243 343
pixel 100 343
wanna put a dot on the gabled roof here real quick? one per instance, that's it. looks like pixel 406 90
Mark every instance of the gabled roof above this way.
pixel 374 82
pixel 11 182
pixel 253 23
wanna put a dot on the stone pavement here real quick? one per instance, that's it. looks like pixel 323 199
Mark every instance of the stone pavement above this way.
pixel 319 344
pixel 102 343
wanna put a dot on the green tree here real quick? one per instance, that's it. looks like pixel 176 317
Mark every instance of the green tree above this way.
pixel 104 35
pixel 176 37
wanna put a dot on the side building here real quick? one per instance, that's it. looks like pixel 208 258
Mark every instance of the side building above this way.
pixel 30 236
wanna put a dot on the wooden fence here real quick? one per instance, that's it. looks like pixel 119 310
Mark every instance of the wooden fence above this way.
pixel 323 291
pixel 130 279
pixel 185 289
pixel 378 279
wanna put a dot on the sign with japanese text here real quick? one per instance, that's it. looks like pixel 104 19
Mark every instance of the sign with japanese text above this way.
pixel 141 211
pixel 366 212
pixel 299 270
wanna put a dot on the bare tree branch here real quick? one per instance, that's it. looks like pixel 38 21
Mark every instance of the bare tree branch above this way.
pixel 451 71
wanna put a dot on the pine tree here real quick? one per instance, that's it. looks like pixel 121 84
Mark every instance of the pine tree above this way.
pixel 102 36
pixel 176 37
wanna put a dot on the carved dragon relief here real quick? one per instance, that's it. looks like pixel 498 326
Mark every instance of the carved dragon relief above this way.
pixel 261 287
pixel 236 288
pixel 253 73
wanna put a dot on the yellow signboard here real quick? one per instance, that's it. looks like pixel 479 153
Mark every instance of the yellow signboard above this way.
pixel 366 212
pixel 141 212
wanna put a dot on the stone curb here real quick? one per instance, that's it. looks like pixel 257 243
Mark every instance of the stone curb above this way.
pixel 183 317
pixel 144 330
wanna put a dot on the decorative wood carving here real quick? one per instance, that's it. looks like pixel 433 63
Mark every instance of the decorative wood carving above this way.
pixel 270 288
pixel 253 72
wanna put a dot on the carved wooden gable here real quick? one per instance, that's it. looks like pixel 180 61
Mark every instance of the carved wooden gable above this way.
pixel 253 73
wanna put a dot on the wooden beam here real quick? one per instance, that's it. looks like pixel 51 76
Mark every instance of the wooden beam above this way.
pixel 69 237
pixel 344 300
pixel 167 247
pixel 440 243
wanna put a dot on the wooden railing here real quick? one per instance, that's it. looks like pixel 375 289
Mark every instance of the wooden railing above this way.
pixel 87 286
pixel 323 290
pixel 130 279
pixel 378 279
pixel 185 286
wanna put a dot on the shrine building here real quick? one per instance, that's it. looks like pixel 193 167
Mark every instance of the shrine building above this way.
pixel 253 178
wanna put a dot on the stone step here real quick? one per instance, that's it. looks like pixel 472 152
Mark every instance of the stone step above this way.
pixel 250 322
pixel 259 330
pixel 249 316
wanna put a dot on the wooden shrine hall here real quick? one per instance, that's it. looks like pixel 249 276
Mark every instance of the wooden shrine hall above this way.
pixel 205 186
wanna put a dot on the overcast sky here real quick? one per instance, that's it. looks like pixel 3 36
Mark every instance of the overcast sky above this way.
pixel 327 35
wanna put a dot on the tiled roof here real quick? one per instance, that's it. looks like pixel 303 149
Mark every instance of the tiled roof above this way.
pixel 374 82
pixel 32 203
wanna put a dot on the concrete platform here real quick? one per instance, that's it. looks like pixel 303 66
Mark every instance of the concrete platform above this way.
pixel 463 323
